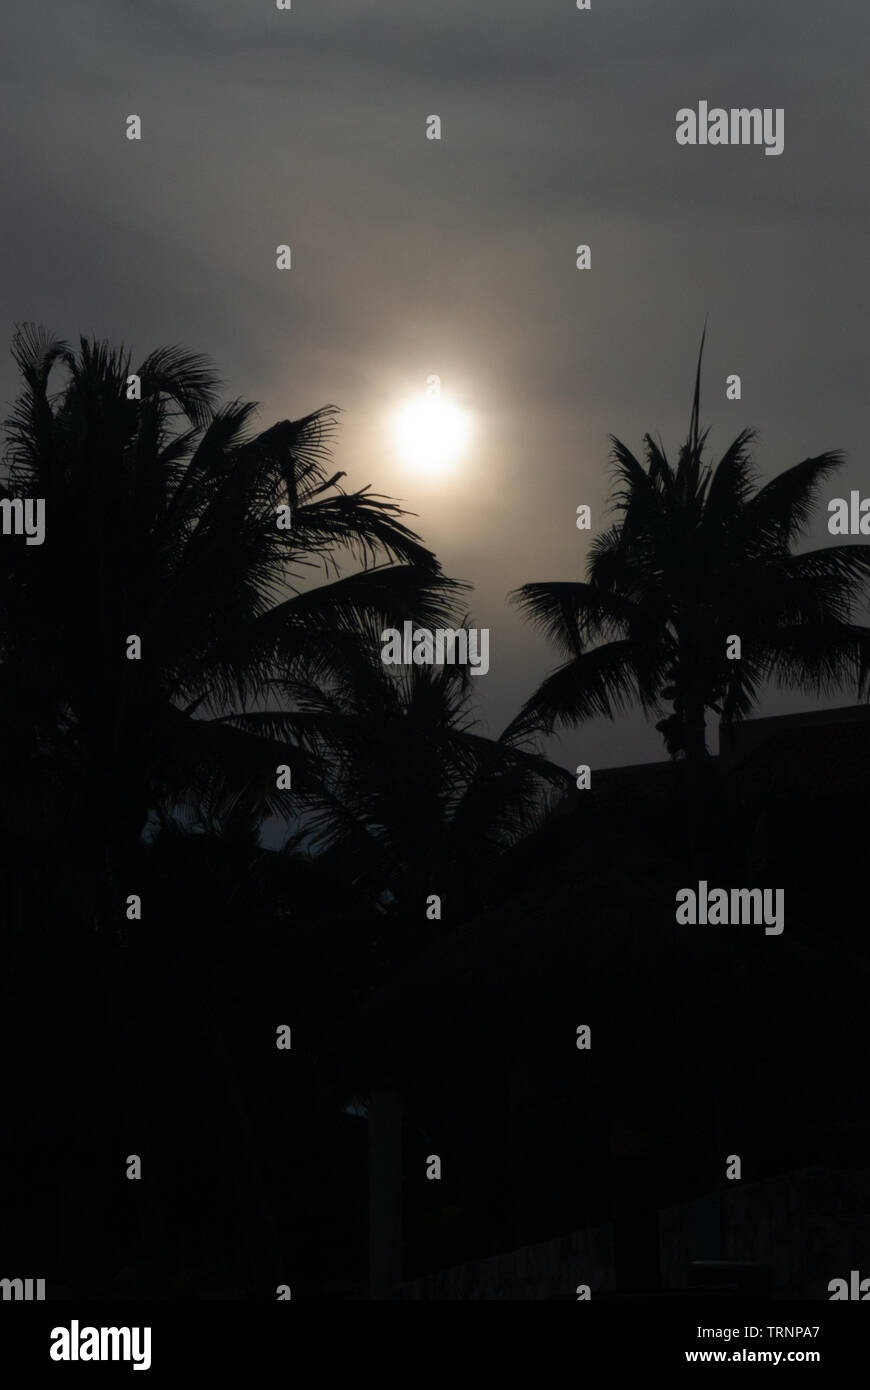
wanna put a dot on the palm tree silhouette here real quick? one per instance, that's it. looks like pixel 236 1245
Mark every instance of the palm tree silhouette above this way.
pixel 418 802
pixel 161 521
pixel 698 555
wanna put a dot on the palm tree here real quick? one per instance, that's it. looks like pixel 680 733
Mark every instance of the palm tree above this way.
pixel 162 522
pixel 700 554
pixel 416 801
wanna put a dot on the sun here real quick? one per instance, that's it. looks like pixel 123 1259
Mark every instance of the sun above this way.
pixel 431 433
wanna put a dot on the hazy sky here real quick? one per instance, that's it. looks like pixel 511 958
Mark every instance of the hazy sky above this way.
pixel 413 257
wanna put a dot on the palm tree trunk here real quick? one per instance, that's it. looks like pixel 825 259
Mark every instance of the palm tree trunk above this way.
pixel 696 784
pixel 130 1047
pixel 111 957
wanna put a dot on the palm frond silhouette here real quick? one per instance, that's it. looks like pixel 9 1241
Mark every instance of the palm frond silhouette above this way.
pixel 699 553
pixel 161 522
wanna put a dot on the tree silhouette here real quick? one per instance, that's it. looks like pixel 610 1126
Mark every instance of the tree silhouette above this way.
pixel 162 521
pixel 417 801
pixel 161 513
pixel 699 554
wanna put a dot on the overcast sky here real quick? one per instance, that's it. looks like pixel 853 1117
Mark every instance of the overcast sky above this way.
pixel 413 257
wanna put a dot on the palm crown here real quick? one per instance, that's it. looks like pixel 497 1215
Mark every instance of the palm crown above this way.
pixel 418 801
pixel 162 521
pixel 700 554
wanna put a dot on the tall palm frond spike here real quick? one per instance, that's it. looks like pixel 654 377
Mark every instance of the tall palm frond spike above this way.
pixel 694 424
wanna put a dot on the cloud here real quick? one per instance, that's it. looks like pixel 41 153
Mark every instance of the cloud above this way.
pixel 307 126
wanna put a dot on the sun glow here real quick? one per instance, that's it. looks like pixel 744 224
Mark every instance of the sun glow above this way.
pixel 431 433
